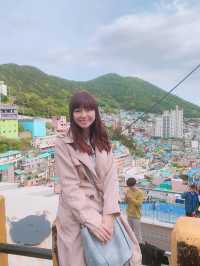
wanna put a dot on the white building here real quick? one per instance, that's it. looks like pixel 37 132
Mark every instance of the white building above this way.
pixel 149 127
pixel 158 130
pixel 170 124
pixel 176 117
pixel 195 145
pixel 3 88
pixel 166 124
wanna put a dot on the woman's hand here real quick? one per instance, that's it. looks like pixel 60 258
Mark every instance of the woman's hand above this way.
pixel 108 224
pixel 105 231
pixel 101 233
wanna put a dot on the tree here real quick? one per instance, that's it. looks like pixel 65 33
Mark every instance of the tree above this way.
pixel 126 141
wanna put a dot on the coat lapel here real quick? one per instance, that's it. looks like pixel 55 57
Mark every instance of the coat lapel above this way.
pixel 84 158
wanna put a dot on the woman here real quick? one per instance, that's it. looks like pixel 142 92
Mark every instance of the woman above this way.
pixel 191 201
pixel 198 192
pixel 84 154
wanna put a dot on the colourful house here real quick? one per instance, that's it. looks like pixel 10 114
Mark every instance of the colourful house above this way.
pixel 194 175
pixel 8 121
pixel 8 162
pixel 36 126
pixel 44 143
pixel 59 123
pixel 9 128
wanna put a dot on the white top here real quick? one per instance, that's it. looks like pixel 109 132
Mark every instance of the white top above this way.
pixel 93 155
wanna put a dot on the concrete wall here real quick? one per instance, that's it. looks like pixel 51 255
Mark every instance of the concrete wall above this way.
pixel 158 235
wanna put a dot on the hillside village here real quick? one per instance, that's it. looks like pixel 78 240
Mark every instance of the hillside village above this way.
pixel 166 155
pixel 161 150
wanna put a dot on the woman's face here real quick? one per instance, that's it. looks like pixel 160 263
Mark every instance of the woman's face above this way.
pixel 83 117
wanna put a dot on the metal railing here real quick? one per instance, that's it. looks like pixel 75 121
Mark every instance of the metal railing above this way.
pixel 155 194
pixel 34 252
pixel 159 206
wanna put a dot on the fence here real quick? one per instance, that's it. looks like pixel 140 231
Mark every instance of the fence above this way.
pixel 160 206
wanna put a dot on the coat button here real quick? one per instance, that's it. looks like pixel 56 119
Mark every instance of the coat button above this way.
pixel 91 197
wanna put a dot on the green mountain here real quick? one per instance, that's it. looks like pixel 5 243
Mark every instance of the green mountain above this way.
pixel 37 93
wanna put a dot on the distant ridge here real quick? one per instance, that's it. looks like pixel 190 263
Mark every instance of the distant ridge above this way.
pixel 40 94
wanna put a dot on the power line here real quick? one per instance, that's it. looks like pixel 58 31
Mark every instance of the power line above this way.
pixel 164 97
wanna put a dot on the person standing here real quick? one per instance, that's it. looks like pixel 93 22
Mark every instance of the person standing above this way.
pixel 198 209
pixel 134 198
pixel 191 201
pixel 83 153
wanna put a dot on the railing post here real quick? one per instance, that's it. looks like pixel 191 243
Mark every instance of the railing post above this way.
pixel 54 245
pixel 54 260
pixel 3 257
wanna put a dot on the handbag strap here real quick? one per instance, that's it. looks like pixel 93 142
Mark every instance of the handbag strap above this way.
pixel 93 181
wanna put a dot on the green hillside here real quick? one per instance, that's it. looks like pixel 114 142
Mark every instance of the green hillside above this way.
pixel 39 94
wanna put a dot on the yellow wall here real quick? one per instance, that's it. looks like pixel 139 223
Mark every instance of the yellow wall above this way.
pixel 9 128
pixel 187 230
pixel 3 257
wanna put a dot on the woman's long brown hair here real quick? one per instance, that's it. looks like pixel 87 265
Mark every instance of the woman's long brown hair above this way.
pixel 98 134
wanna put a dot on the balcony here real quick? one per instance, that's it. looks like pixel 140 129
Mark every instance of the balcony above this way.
pixel 8 112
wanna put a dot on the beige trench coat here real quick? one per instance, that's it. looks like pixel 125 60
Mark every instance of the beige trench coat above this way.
pixel 80 203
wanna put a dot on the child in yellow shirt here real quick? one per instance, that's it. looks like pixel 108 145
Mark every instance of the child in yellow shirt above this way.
pixel 134 198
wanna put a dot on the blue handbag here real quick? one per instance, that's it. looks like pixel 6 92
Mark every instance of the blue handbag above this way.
pixel 116 252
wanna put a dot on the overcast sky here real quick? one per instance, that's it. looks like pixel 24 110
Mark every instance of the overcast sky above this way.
pixel 156 40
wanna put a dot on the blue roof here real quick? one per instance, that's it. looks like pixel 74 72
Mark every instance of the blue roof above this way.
pixel 9 153
pixel 44 155
pixel 193 171
pixel 4 167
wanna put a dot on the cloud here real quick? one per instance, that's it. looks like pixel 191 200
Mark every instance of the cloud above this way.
pixel 164 41
pixel 152 40
pixel 160 47
pixel 159 44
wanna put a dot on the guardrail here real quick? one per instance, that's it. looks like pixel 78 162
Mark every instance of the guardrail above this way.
pixel 159 205
pixel 155 190
pixel 34 252
pixel 43 253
